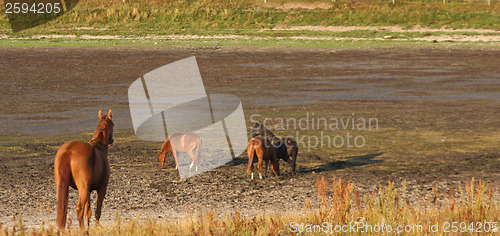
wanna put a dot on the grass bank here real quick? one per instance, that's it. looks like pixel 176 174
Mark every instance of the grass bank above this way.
pixel 207 17
pixel 216 44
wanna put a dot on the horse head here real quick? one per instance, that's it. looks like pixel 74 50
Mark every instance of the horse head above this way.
pixel 257 129
pixel 104 130
pixel 292 149
pixel 163 153
pixel 286 149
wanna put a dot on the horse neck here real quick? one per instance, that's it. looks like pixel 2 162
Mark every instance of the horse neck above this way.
pixel 97 138
pixel 98 145
pixel 167 146
pixel 268 133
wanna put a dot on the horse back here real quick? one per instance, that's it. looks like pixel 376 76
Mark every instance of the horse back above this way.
pixel 256 144
pixel 192 140
pixel 259 145
pixel 184 142
pixel 75 152
pixel 85 162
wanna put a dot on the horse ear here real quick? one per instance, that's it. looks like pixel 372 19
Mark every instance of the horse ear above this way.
pixel 110 114
pixel 100 114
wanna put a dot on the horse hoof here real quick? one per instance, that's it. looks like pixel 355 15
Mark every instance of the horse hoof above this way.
pixel 191 166
pixel 252 175
pixel 260 175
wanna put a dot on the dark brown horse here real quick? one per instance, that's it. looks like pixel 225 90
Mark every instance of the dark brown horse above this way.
pixel 257 148
pixel 189 143
pixel 85 167
pixel 285 148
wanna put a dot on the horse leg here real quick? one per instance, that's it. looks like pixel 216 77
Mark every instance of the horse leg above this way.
pixel 275 164
pixel 260 166
pixel 197 154
pixel 262 156
pixel 100 197
pixel 88 211
pixel 175 154
pixel 191 154
pixel 83 195
pixel 250 153
pixel 266 164
pixel 197 162
pixel 196 157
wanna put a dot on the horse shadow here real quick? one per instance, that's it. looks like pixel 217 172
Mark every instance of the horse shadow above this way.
pixel 241 160
pixel 350 162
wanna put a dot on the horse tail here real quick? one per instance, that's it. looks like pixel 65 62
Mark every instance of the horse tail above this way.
pixel 63 175
pixel 251 153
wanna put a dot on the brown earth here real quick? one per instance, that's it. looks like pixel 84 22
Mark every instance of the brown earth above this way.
pixel 438 113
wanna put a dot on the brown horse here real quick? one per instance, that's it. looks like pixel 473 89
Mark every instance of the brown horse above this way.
pixel 188 143
pixel 85 167
pixel 285 148
pixel 257 147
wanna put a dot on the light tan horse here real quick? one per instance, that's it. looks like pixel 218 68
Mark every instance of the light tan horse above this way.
pixel 257 148
pixel 84 166
pixel 188 143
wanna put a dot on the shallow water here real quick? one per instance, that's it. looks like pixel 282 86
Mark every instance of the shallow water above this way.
pixel 60 91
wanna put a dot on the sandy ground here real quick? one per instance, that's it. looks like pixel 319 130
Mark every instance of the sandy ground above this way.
pixel 389 36
pixel 452 35
pixel 417 29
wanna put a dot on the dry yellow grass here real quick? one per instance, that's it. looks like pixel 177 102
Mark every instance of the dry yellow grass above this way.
pixel 471 206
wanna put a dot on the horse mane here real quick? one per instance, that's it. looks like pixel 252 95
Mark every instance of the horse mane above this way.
pixel 267 132
pixel 166 146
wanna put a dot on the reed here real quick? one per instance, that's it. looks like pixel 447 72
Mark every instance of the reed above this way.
pixel 340 204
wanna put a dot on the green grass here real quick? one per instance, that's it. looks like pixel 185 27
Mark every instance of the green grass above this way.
pixel 259 43
pixel 133 20
pixel 134 17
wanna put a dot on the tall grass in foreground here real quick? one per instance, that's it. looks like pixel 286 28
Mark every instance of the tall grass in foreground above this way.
pixel 340 204
pixel 389 206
